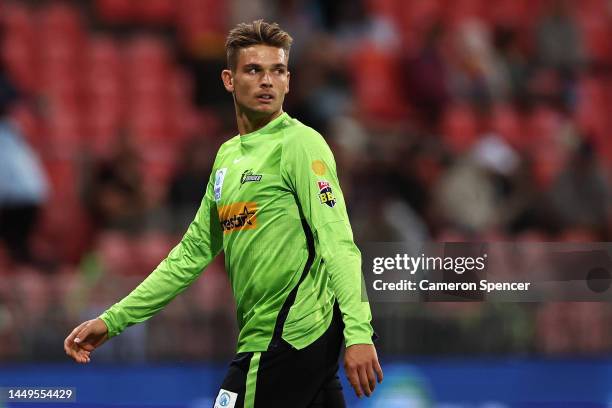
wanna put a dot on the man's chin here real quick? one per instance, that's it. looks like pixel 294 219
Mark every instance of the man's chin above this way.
pixel 264 109
pixel 260 110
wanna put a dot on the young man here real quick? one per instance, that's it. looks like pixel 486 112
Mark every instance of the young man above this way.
pixel 274 206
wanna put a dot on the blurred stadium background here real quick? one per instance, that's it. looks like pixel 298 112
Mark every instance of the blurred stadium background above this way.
pixel 451 120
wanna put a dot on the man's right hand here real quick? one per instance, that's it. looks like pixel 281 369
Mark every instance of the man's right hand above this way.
pixel 84 339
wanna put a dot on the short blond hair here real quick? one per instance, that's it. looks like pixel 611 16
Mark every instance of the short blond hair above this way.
pixel 257 32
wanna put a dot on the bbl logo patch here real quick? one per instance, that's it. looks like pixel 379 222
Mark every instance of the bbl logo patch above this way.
pixel 325 194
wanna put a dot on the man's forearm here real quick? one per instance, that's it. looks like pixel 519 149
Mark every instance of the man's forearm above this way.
pixel 343 261
pixel 175 273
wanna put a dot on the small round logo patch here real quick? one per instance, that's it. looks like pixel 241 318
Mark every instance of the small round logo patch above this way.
pixel 318 167
pixel 224 399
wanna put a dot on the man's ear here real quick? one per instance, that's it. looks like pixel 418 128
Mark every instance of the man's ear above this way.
pixel 288 78
pixel 228 80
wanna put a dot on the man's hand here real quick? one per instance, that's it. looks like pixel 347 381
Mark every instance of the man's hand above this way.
pixel 84 339
pixel 360 364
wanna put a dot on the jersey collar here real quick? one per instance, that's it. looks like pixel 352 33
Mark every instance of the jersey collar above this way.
pixel 266 129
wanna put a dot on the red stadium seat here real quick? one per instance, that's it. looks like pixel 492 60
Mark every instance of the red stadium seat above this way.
pixel 17 19
pixel 63 232
pixel 545 148
pixel 101 128
pixel 148 88
pixel 591 112
pixel 62 177
pixel 180 86
pixel 64 91
pixel 115 11
pixel 105 87
pixel 202 25
pixel 103 54
pixel 542 125
pixel 64 133
pixel 104 113
pixel 116 251
pixel 459 128
pixel 60 19
pixel 596 33
pixel 151 248
pixel 187 121
pixel 156 11
pixel 413 20
pixel 148 125
pixel 386 8
pixel 147 66
pixel 21 62
pixel 157 177
pixel 506 122
pixel 458 11
pixel 519 14
pixel 375 76
pixel 18 45
pixel 60 51
pixel 146 50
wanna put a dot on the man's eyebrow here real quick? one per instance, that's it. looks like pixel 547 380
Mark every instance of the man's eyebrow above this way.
pixel 255 65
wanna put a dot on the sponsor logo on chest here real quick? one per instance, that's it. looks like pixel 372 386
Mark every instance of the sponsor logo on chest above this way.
pixel 238 216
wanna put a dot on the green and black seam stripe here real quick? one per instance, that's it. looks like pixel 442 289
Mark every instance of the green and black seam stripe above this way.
pixel 251 380
pixel 290 300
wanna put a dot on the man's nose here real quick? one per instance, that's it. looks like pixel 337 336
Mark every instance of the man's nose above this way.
pixel 266 80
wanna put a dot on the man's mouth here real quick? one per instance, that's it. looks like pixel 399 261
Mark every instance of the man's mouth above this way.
pixel 265 98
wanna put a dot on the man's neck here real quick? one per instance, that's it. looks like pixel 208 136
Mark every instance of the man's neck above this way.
pixel 247 124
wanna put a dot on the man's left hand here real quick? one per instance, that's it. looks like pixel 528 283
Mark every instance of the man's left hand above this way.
pixel 361 365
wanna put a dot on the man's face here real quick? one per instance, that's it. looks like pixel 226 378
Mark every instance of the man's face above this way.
pixel 260 80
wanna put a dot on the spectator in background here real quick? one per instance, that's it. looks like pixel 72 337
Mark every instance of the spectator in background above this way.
pixel 510 53
pixel 115 195
pixel 476 72
pixel 561 55
pixel 426 78
pixel 558 41
pixel 580 194
pixel 185 191
pixel 23 185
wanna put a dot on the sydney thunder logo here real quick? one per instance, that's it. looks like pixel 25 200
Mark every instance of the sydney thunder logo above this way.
pixel 248 176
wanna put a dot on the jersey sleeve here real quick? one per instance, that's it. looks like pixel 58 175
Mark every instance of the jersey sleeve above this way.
pixel 309 169
pixel 185 262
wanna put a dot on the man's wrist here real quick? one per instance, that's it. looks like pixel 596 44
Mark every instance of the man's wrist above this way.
pixel 358 340
pixel 106 320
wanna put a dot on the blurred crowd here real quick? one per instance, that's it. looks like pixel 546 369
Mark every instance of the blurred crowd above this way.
pixel 463 120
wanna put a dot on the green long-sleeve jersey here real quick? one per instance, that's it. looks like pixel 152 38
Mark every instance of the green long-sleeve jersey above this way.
pixel 274 206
